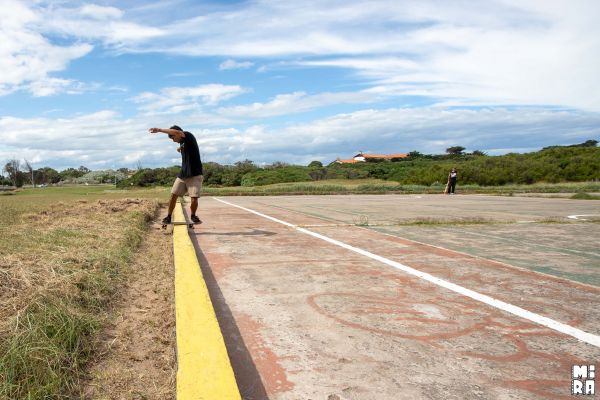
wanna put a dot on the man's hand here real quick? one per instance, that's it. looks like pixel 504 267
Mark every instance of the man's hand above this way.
pixel 179 149
pixel 154 130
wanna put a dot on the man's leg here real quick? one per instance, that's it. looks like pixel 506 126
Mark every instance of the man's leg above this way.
pixel 194 205
pixel 177 190
pixel 172 203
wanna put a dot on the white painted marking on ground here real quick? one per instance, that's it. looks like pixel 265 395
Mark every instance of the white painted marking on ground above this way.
pixel 582 215
pixel 499 304
pixel 522 241
pixel 482 258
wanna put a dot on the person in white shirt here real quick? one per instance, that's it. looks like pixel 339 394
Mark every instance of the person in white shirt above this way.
pixel 452 181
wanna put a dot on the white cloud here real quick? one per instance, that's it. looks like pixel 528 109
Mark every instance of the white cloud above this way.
pixel 49 86
pixel 534 52
pixel 27 57
pixel 100 12
pixel 232 64
pixel 173 100
pixel 28 54
pixel 429 130
pixel 498 52
pixel 106 139
pixel 297 102
pixel 94 23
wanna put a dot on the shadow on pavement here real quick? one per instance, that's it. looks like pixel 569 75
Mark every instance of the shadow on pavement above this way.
pixel 246 374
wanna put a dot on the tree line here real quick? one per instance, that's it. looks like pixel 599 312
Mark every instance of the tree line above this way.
pixel 573 163
pixel 16 173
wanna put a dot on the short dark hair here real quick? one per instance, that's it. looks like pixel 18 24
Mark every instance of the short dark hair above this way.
pixel 176 128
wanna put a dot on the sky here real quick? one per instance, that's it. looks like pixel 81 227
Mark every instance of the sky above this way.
pixel 293 81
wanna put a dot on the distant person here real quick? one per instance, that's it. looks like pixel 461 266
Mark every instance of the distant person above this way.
pixel 452 181
pixel 190 177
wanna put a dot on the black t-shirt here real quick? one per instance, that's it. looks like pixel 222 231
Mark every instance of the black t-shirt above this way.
pixel 190 157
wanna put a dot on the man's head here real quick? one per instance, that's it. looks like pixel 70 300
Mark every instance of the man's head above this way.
pixel 177 139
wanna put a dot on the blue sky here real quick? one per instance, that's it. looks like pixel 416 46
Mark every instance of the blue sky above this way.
pixel 289 81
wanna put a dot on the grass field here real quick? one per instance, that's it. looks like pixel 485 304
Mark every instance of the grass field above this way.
pixel 62 253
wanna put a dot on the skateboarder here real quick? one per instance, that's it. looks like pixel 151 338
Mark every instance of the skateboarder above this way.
pixel 190 177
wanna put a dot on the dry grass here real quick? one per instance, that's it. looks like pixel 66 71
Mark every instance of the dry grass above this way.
pixel 136 352
pixel 59 261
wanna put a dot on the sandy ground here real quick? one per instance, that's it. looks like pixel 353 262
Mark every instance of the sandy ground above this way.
pixel 136 355
pixel 305 319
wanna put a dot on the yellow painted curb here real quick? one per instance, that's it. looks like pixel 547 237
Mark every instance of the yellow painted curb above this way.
pixel 203 367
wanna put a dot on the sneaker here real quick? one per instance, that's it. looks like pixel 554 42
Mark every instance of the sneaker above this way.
pixel 195 219
pixel 166 220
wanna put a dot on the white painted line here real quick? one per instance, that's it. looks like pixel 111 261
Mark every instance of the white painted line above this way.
pixel 530 271
pixel 499 304
pixel 582 215
pixel 555 248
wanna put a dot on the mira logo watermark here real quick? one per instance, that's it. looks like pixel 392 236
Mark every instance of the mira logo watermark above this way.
pixel 583 379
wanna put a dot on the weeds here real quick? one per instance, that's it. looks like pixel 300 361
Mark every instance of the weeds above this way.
pixel 43 357
pixel 60 262
pixel 584 196
pixel 450 221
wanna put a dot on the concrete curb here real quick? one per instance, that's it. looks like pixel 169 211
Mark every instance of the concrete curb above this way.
pixel 203 367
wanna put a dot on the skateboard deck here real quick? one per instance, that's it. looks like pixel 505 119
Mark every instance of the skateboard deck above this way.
pixel 168 228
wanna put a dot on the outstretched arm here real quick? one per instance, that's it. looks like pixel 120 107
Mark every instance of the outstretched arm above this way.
pixel 170 132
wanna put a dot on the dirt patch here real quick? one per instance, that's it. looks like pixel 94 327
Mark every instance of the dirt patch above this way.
pixel 136 353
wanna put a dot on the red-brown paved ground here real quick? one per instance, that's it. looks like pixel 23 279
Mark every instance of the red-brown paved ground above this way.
pixel 305 319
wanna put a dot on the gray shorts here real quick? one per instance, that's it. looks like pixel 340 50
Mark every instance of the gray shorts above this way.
pixel 191 186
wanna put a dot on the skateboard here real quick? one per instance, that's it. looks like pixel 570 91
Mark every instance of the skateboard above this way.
pixel 189 224
pixel 168 228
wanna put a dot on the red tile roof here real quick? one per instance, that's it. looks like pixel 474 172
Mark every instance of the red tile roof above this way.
pixel 387 156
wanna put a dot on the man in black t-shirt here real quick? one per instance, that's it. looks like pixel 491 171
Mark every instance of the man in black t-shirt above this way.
pixel 190 177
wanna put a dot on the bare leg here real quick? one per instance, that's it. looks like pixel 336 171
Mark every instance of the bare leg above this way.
pixel 194 205
pixel 172 203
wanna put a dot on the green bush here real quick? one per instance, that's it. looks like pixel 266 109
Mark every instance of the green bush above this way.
pixel 276 175
pixel 557 164
pixel 151 177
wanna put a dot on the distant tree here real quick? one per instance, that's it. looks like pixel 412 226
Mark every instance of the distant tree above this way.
pixel 316 164
pixel 29 170
pixel 479 153
pixel 13 169
pixel 232 176
pixel 83 170
pixel 415 154
pixel 124 170
pixel 318 174
pixel 4 181
pixel 46 175
pixel 245 166
pixel 456 150
pixel 70 174
pixel 589 143
pixel 278 164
